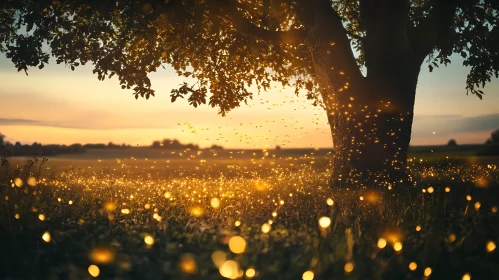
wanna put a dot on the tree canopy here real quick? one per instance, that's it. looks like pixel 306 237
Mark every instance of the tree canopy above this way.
pixel 494 138
pixel 226 46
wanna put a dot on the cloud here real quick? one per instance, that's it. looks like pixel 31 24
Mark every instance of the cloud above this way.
pixel 479 123
pixel 18 122
pixel 453 124
pixel 433 117
pixel 91 123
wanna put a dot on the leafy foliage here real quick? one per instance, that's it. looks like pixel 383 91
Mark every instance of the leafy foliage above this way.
pixel 494 137
pixel 227 46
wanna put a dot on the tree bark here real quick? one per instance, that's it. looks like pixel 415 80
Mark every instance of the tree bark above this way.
pixel 371 124
pixel 370 119
pixel 370 116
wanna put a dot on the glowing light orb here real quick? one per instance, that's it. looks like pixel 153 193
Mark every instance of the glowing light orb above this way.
pixel 168 194
pixel 477 205
pixel 46 236
pixel 250 273
pixel 482 183
pixel 452 237
pixel 215 202
pixel 307 275
pixel 381 243
pixel 397 246
pixel 218 258
pixel 447 189
pixel 237 244
pixel 491 246
pixel 349 267
pixel 149 240
pixel 266 228
pixel 418 228
pixel 110 206
pixel 427 271
pixel 431 190
pixel 468 197
pixel 32 181
pixel 196 211
pixel 413 266
pixel 18 182
pixel 237 223
pixel 466 276
pixel 259 186
pixel 330 202
pixel 324 222
pixel 41 217
pixel 101 255
pixel 93 270
pixel 372 198
pixel 188 264
pixel 229 269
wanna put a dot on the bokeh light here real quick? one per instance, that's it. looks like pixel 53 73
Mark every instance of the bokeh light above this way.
pixel 46 237
pixel 237 244
pixel 348 267
pixel 307 275
pixel 250 272
pixel 266 228
pixel 324 222
pixel 491 246
pixel 93 270
pixel 229 269
pixel 188 264
pixel 382 243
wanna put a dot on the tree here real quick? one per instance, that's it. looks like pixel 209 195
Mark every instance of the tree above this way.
pixel 2 137
pixel 359 60
pixel 491 147
pixel 156 144
pixel 452 143
pixel 494 138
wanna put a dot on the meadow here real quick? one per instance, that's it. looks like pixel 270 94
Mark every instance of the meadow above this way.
pixel 244 215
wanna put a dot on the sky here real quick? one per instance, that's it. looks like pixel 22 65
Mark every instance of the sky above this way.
pixel 58 106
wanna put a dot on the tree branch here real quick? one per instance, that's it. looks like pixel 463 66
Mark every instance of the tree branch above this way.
pixel 434 29
pixel 329 29
pixel 228 9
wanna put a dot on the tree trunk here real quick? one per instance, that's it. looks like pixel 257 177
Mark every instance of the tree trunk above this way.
pixel 370 117
pixel 371 127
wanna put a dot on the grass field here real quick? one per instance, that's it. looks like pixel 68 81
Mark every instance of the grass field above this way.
pixel 242 216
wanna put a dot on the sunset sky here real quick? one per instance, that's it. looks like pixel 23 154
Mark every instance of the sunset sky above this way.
pixel 58 106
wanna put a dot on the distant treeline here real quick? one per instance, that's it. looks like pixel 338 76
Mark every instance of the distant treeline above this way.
pixel 37 149
pixel 491 147
pixel 110 145
pixel 176 145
